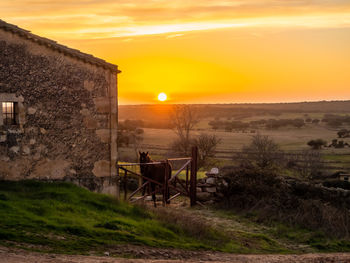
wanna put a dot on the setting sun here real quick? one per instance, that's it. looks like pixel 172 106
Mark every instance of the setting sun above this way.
pixel 162 96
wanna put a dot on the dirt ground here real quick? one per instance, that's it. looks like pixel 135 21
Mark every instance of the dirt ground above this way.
pixel 14 255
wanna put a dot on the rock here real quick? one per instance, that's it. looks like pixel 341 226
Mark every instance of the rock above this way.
pixel 14 149
pixel 25 150
pixel 210 189
pixel 199 189
pixel 106 254
pixel 3 138
pixel 4 158
pixel 203 185
pixel 43 131
pixel 85 112
pixel 32 141
pixel 211 180
pixel 213 171
pixel 31 110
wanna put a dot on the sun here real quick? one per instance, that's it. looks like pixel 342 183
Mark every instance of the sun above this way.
pixel 162 96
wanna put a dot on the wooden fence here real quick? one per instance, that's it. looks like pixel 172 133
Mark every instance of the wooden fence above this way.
pixel 171 181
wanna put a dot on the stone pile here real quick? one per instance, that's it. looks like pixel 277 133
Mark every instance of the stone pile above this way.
pixel 207 187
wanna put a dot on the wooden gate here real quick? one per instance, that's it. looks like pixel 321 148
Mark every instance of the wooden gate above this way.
pixel 172 182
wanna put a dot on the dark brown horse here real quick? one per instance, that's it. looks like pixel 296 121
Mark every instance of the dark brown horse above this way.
pixel 155 172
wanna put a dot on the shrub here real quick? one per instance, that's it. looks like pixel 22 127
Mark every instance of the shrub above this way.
pixel 262 153
pixel 317 144
pixel 297 203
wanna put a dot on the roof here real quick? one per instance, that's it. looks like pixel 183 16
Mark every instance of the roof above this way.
pixel 74 53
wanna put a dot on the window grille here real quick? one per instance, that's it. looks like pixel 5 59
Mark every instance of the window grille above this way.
pixel 9 113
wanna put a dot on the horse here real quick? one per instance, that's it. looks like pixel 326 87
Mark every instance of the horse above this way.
pixel 155 172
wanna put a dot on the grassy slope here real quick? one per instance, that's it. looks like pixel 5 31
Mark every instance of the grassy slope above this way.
pixel 64 218
pixel 291 237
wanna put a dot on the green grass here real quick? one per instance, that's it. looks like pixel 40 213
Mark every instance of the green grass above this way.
pixel 338 158
pixel 295 238
pixel 62 217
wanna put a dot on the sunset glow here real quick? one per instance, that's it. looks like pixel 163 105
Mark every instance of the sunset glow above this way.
pixel 205 51
pixel 162 96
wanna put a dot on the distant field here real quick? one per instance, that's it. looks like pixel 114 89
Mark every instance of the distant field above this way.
pixel 287 138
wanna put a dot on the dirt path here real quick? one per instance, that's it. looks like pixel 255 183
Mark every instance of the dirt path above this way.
pixel 10 255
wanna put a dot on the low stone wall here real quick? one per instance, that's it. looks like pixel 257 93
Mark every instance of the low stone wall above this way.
pixel 335 196
pixel 209 190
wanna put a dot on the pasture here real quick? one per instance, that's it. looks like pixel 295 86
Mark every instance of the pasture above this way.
pixel 289 138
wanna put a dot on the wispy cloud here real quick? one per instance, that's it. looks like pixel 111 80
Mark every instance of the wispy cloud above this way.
pixel 126 18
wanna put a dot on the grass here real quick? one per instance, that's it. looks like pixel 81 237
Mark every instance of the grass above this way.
pixel 64 218
pixel 294 238
pixel 289 138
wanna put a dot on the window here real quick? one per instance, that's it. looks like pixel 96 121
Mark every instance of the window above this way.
pixel 9 113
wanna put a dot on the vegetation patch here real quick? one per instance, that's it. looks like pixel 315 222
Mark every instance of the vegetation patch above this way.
pixel 64 218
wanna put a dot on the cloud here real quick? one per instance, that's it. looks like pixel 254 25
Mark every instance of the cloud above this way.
pixel 126 18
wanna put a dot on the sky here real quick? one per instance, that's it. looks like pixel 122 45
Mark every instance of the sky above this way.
pixel 204 51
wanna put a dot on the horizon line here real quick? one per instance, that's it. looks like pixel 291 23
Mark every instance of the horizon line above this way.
pixel 233 103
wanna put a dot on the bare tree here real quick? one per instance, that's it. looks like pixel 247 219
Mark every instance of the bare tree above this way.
pixel 262 152
pixel 307 164
pixel 183 119
pixel 207 145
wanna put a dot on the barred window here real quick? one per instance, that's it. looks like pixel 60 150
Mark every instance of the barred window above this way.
pixel 9 113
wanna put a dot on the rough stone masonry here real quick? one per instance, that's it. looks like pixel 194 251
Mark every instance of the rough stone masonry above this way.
pixel 58 112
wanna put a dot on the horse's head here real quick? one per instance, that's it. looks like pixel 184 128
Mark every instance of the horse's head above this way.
pixel 144 157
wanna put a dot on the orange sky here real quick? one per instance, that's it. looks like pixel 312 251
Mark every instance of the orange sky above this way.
pixel 205 51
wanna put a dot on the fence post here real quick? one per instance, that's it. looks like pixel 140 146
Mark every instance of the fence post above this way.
pixel 193 179
pixel 187 177
pixel 166 183
pixel 125 185
pixel 117 183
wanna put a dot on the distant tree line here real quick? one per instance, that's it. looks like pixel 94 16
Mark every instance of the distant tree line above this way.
pixel 157 124
pixel 343 133
pixel 268 124
pixel 318 144
pixel 334 120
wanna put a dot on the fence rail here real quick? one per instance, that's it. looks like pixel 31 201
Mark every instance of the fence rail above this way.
pixel 170 181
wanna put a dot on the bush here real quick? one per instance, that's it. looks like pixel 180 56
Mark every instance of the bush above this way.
pixel 317 144
pixel 297 203
pixel 262 153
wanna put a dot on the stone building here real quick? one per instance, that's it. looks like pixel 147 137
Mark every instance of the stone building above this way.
pixel 58 112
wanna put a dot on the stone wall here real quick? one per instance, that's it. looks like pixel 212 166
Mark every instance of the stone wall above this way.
pixel 67 121
pixel 209 190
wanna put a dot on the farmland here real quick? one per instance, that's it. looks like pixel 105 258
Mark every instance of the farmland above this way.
pixel 289 137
